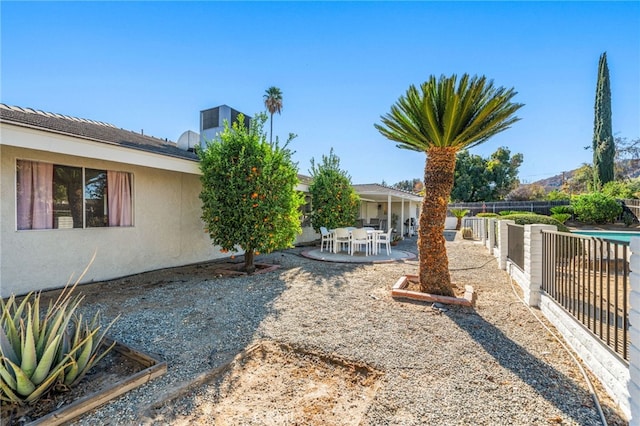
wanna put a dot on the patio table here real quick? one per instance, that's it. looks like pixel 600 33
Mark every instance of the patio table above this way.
pixel 372 233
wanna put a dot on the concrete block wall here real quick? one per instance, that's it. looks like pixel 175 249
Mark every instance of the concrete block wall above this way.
pixel 533 261
pixel 503 243
pixel 621 381
pixel 634 333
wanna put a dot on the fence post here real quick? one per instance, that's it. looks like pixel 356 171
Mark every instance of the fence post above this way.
pixel 483 227
pixel 491 241
pixel 634 332
pixel 503 243
pixel 533 262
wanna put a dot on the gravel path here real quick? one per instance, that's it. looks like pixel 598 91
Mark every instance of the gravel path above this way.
pixel 490 365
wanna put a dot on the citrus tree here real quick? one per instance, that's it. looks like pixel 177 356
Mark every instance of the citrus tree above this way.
pixel 249 200
pixel 335 202
pixel 440 118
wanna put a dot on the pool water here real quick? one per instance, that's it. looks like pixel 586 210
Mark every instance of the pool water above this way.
pixel 609 235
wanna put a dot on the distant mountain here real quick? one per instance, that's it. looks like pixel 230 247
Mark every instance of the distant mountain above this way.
pixel 630 168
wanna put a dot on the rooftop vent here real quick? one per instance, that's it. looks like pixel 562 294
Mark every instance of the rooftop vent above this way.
pixel 212 121
pixel 188 140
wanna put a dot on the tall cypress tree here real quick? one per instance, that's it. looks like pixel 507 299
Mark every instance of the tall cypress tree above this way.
pixel 603 145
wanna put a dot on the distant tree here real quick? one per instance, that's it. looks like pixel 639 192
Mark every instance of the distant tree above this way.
pixel 335 202
pixel 530 192
pixel 471 179
pixel 557 195
pixel 627 157
pixel 622 189
pixel 440 118
pixel 581 181
pixel 627 149
pixel 413 185
pixel 504 172
pixel 273 102
pixel 479 179
pixel 603 145
pixel 248 191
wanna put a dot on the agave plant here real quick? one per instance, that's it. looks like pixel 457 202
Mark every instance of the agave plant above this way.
pixel 37 353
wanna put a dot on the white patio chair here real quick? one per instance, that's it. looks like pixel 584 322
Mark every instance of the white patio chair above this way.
pixel 384 239
pixel 327 239
pixel 341 236
pixel 359 238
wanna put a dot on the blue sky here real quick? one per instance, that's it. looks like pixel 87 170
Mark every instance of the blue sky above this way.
pixel 340 66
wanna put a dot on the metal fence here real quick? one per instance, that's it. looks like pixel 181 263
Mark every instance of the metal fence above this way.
pixel 515 246
pixel 477 225
pixel 540 207
pixel 589 277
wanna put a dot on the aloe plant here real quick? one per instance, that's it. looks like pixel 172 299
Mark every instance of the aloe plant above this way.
pixel 38 352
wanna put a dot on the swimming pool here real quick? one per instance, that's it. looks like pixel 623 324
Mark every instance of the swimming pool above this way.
pixel 609 235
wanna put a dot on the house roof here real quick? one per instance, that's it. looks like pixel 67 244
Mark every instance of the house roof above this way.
pixel 380 193
pixel 92 130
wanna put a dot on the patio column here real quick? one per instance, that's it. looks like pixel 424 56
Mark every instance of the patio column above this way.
pixel 388 211
pixel 409 230
pixel 402 217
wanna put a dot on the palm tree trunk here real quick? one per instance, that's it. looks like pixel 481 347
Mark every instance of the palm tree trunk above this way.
pixel 438 181
pixel 271 131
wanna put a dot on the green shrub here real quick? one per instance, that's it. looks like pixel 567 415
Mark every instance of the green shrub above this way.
pixel 511 212
pixel 596 208
pixel 628 218
pixel 622 189
pixel 557 195
pixel 39 353
pixel 487 215
pixel 568 209
pixel 533 219
pixel 561 217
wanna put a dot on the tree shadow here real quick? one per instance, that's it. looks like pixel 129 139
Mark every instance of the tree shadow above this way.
pixel 187 316
pixel 562 391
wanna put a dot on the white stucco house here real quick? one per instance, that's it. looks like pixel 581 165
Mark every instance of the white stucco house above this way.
pixel 71 188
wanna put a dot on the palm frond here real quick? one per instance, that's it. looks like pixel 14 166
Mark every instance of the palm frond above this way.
pixel 448 112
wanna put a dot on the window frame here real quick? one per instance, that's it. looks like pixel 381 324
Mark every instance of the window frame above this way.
pixel 84 199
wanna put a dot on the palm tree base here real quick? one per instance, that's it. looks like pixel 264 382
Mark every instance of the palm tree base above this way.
pixel 400 290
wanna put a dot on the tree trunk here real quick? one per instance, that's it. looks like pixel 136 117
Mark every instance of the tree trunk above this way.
pixel 438 181
pixel 458 223
pixel 271 129
pixel 249 266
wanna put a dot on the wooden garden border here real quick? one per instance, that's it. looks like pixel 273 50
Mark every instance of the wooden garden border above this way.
pixel 154 368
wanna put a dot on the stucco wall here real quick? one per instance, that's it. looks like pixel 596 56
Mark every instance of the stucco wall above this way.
pixel 167 230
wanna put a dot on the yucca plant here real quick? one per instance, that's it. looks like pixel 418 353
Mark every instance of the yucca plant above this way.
pixel 39 352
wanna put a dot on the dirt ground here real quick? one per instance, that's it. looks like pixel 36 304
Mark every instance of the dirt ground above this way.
pixel 268 384
pixel 275 384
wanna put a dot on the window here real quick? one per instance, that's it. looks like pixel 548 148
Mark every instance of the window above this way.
pixel 51 196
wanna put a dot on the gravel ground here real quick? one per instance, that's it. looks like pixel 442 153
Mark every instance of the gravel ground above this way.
pixel 489 365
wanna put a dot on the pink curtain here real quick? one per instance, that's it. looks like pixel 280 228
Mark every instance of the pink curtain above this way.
pixel 119 198
pixel 35 195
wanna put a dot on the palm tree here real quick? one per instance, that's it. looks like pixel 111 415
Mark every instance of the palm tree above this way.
pixel 459 214
pixel 440 118
pixel 273 102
